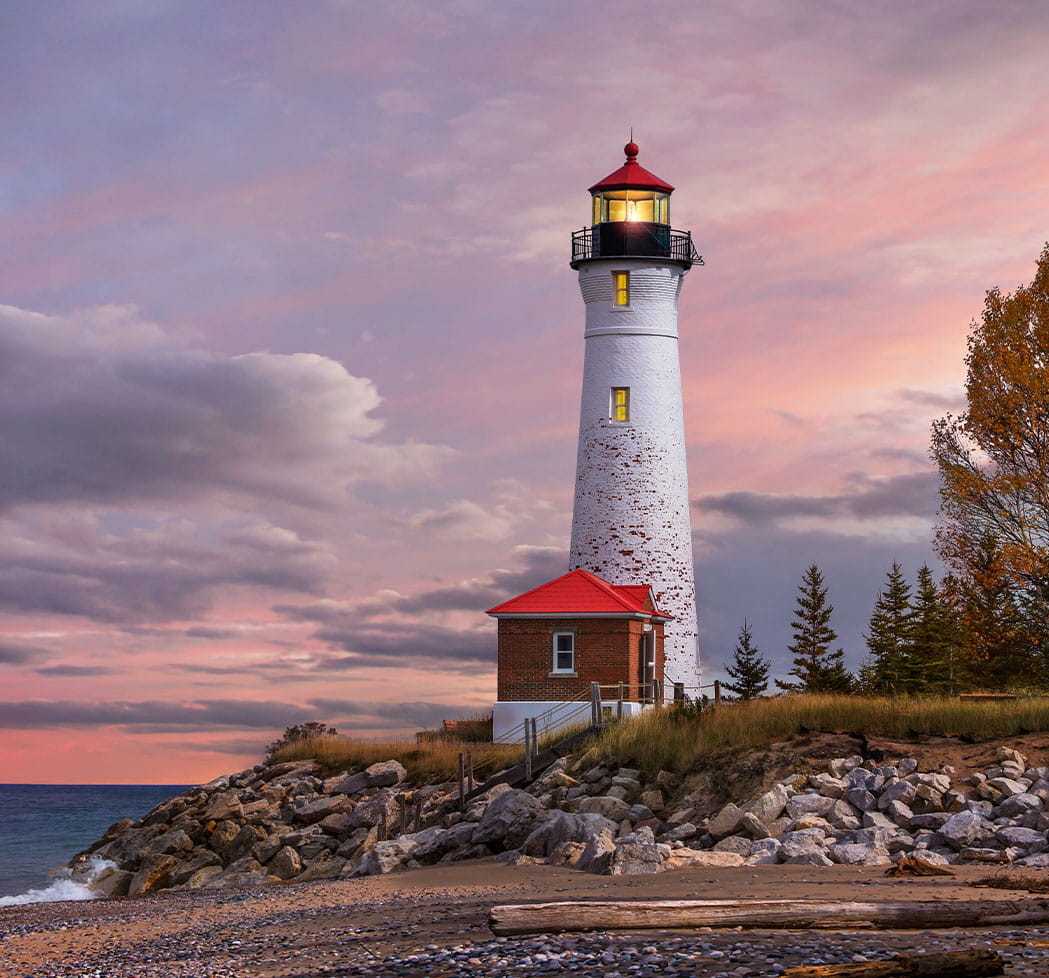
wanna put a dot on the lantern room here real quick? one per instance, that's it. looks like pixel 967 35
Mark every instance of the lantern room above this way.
pixel 631 194
pixel 630 218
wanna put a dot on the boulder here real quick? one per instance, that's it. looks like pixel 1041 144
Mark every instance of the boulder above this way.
pixel 112 882
pixel 1020 804
pixel 855 854
pixel 202 877
pixel 807 805
pixel 385 773
pixel 963 828
pixel 733 843
pixel 1030 840
pixel 509 820
pixel 154 874
pixel 684 857
pixel 607 806
pixel 223 806
pixel 679 833
pixel 637 854
pixel 326 866
pixel 726 822
pixel 321 808
pixel 193 863
pixel 559 827
pixel 769 806
pixel 285 864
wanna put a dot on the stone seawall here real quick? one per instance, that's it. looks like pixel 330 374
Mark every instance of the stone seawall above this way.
pixel 283 822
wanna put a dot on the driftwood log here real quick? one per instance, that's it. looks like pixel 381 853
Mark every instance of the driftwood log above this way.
pixel 977 963
pixel 538 918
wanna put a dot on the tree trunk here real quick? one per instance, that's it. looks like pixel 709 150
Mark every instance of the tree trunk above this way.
pixel 537 918
pixel 976 963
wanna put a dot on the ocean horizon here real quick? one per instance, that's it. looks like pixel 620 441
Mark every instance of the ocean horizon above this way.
pixel 42 826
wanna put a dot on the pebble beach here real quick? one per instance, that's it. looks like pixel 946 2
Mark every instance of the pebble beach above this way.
pixel 433 922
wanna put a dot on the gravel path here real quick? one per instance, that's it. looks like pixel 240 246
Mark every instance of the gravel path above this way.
pixel 433 923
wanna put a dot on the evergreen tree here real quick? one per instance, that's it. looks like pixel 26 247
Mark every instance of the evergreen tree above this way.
pixel 889 638
pixel 749 670
pixel 933 636
pixel 816 667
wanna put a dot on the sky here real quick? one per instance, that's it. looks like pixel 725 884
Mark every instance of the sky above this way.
pixel 290 350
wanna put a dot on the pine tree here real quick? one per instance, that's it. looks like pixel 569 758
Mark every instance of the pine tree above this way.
pixel 933 636
pixel 816 667
pixel 889 637
pixel 749 670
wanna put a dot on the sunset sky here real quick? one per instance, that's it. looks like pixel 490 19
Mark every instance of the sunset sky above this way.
pixel 290 350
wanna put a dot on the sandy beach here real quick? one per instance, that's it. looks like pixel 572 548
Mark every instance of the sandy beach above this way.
pixel 411 922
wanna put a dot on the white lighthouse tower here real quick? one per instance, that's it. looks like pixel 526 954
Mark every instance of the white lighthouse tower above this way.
pixel 631 518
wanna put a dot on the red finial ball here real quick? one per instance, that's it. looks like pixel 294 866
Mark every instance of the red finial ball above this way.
pixel 631 150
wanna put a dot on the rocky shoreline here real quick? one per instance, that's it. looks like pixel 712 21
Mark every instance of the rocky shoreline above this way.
pixel 283 823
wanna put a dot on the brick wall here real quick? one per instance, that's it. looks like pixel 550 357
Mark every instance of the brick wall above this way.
pixel 607 651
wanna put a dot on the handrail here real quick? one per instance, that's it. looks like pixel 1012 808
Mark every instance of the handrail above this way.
pixel 633 240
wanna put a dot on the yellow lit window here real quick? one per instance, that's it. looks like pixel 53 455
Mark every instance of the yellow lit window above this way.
pixel 620 404
pixel 621 288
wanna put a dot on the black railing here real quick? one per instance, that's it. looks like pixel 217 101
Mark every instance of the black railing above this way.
pixel 633 239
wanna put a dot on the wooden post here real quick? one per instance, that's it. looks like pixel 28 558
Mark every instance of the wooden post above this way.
pixel 619 700
pixel 717 691
pixel 535 739
pixel 657 688
pixel 402 801
pixel 679 692
pixel 470 771
pixel 462 794
pixel 528 750
pixel 595 704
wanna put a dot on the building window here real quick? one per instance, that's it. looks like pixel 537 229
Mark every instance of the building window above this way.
pixel 621 288
pixel 564 652
pixel 619 409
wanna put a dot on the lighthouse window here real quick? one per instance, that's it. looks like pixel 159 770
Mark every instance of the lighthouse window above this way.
pixel 620 407
pixel 564 652
pixel 621 288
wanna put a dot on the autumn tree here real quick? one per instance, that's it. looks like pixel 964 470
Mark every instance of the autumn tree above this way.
pixel 994 465
pixel 816 668
pixel 889 637
pixel 748 670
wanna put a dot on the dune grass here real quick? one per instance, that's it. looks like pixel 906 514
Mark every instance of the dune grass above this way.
pixel 672 738
pixel 429 761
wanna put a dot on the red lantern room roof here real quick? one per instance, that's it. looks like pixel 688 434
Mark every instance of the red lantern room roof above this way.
pixel 631 176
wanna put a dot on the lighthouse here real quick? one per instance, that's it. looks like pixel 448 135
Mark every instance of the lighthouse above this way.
pixel 630 520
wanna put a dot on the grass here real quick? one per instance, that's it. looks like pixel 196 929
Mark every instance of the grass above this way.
pixel 427 762
pixel 671 739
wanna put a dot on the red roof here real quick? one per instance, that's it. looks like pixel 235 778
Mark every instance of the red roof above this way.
pixel 631 176
pixel 579 593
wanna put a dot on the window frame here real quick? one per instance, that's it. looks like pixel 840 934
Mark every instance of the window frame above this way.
pixel 614 405
pixel 621 289
pixel 571 636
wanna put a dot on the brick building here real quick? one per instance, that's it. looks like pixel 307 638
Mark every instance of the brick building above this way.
pixel 559 638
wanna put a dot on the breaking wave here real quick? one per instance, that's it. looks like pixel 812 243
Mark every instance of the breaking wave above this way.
pixel 69 885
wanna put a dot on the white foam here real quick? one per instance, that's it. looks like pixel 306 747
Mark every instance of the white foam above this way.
pixel 66 887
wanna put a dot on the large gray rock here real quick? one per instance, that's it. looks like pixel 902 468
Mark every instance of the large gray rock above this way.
pixel 1020 804
pixel 559 827
pixel 638 854
pixel 726 822
pixel 509 820
pixel 223 806
pixel 128 847
pixel 861 799
pixel 1030 840
pixel 320 808
pixel 607 806
pixel 963 829
pixel 198 859
pixel 855 854
pixel 829 787
pixel 385 857
pixel 380 808
pixel 769 806
pixel 807 804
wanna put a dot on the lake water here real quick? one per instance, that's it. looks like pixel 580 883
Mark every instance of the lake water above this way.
pixel 43 825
